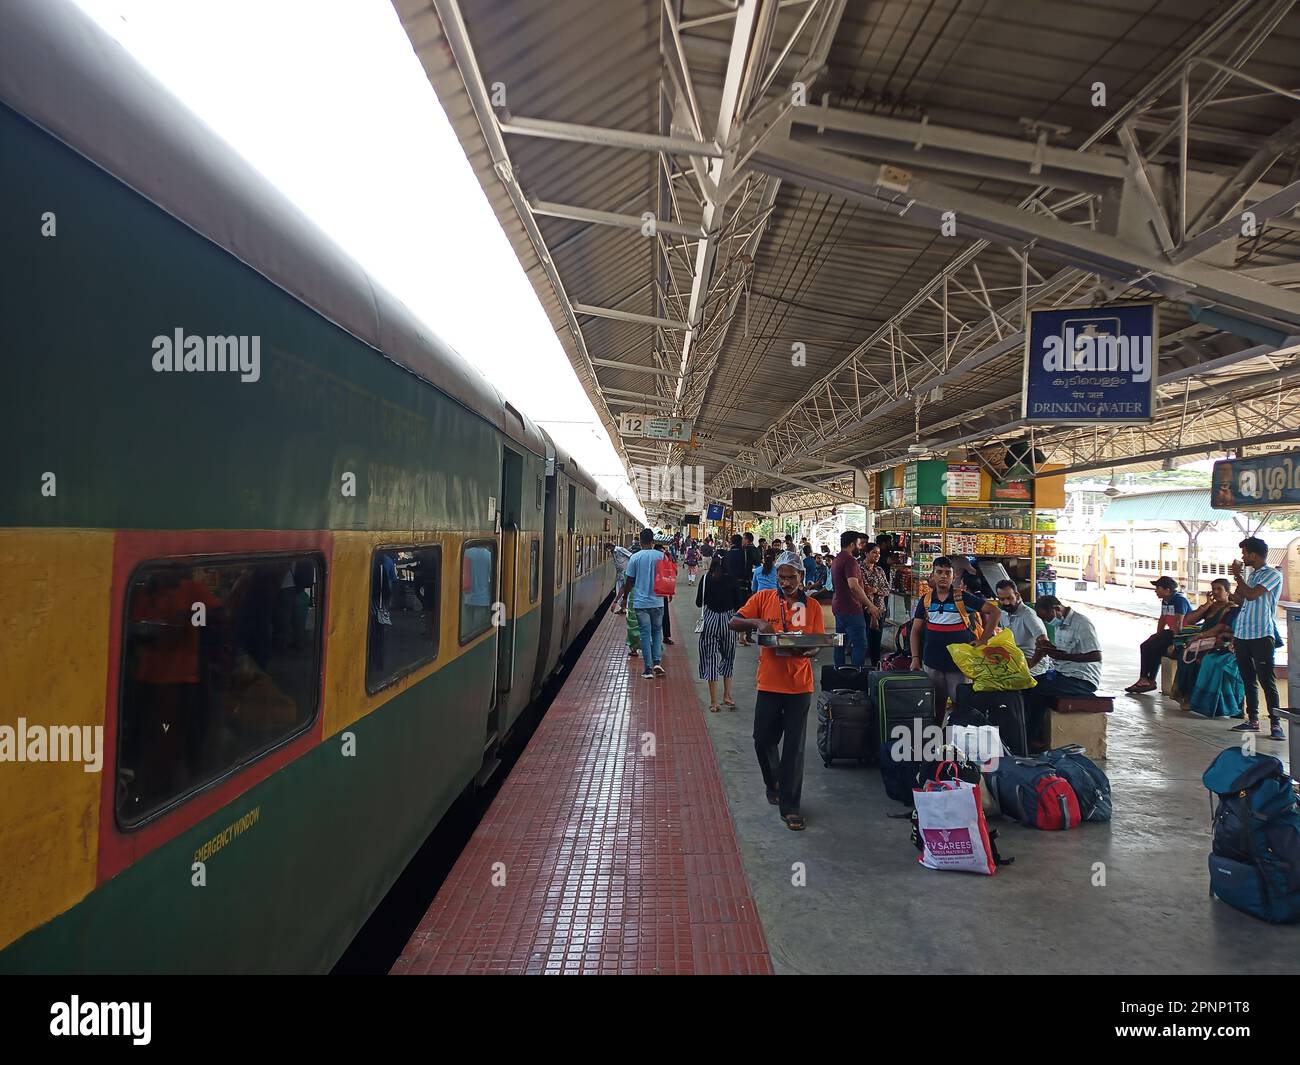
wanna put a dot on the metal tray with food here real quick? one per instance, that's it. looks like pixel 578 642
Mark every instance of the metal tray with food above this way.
pixel 799 642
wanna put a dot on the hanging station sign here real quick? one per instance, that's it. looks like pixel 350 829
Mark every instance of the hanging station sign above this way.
pixel 1257 483
pixel 1091 365
pixel 654 427
pixel 714 512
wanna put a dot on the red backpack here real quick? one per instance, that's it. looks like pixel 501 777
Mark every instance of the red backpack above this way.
pixel 1053 805
pixel 665 577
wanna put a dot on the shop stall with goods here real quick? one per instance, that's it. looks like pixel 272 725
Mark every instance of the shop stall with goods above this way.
pixel 1005 529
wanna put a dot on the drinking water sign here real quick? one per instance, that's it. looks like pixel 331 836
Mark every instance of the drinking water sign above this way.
pixel 1090 365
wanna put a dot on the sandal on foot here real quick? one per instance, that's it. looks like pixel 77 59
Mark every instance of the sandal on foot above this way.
pixel 793 822
pixel 773 796
pixel 714 708
pixel 729 704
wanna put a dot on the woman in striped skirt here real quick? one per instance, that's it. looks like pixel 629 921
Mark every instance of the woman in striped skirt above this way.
pixel 716 599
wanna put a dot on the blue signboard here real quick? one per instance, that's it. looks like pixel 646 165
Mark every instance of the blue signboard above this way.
pixel 1257 483
pixel 1090 365
pixel 715 512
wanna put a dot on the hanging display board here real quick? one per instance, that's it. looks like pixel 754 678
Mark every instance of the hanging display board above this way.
pixel 1260 482
pixel 963 484
pixel 1091 365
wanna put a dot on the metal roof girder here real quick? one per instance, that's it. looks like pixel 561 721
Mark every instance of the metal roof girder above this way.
pixel 1091 251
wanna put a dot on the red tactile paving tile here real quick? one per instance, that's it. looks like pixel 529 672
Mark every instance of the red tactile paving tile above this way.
pixel 614 861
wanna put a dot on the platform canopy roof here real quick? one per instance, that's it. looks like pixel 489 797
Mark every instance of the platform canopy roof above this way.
pixel 732 212
pixel 1172 504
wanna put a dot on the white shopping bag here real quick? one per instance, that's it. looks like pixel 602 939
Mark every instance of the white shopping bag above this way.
pixel 981 744
pixel 952 829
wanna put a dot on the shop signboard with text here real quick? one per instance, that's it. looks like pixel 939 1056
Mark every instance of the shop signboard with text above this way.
pixel 1091 365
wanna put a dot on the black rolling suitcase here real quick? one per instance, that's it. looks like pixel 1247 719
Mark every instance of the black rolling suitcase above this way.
pixel 844 678
pixel 846 727
pixel 1005 710
pixel 901 699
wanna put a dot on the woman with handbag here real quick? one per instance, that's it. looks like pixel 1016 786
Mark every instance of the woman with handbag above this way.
pixel 716 599
pixel 1210 628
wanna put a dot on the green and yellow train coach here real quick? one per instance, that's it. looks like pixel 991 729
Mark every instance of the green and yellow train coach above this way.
pixel 279 572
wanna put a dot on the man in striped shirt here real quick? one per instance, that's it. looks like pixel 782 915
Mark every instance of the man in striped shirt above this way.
pixel 1253 633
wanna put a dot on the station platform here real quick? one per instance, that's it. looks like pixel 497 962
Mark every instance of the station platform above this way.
pixel 615 862
pixel 610 848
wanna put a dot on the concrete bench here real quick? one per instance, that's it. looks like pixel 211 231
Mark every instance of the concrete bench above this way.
pixel 1081 719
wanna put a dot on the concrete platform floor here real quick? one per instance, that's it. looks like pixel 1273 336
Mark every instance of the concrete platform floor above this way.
pixel 868 907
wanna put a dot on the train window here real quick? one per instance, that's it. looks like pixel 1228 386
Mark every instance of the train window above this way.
pixel 220 664
pixel 559 562
pixel 534 569
pixel 577 556
pixel 404 595
pixel 478 563
pixel 540 493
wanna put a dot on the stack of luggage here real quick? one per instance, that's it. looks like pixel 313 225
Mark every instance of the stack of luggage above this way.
pixel 846 722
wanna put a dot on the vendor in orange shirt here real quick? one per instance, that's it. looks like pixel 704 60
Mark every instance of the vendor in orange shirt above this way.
pixel 785 684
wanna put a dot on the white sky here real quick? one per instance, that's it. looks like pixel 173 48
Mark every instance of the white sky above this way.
pixel 327 99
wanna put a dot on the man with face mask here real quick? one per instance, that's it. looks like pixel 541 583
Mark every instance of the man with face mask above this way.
pixel 785 684
pixel 1025 625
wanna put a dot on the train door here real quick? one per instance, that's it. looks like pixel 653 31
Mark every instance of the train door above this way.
pixel 511 539
pixel 572 526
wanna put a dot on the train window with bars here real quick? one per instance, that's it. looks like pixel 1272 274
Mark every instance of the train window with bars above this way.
pixel 559 563
pixel 534 569
pixel 405 583
pixel 577 556
pixel 220 665
pixel 478 564
pixel 540 492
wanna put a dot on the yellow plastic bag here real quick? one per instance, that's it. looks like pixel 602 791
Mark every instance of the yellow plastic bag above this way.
pixel 997 666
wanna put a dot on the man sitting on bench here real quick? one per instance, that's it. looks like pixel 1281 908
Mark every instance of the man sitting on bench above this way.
pixel 1076 662
pixel 1174 609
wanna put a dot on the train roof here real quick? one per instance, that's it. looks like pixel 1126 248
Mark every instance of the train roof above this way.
pixel 62 72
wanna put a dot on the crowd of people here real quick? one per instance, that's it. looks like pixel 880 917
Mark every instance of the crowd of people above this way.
pixel 749 587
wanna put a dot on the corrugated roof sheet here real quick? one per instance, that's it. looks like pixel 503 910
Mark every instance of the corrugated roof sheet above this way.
pixel 1176 504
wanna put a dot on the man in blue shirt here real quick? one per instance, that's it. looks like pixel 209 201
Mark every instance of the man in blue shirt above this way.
pixel 639 583
pixel 1254 632
pixel 1174 607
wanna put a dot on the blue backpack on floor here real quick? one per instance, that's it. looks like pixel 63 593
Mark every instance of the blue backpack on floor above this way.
pixel 1090 784
pixel 1219 690
pixel 1255 864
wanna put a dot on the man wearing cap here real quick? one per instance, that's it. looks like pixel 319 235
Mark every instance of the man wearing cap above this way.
pixel 785 684
pixel 1173 608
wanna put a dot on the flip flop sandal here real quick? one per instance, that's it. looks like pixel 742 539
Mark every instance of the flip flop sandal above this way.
pixel 793 822
pixel 728 704
pixel 713 708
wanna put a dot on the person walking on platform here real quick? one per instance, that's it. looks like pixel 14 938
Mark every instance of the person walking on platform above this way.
pixel 785 685
pixel 640 586
pixel 945 615
pixel 621 556
pixel 1075 651
pixel 716 598
pixel 850 602
pixel 1254 633
pixel 1174 609
pixel 754 552
pixel 692 562
pixel 740 573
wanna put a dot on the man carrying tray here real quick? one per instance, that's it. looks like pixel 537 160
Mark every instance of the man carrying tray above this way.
pixel 785 683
